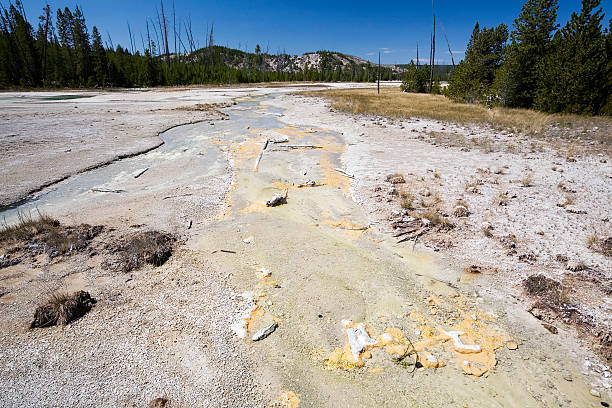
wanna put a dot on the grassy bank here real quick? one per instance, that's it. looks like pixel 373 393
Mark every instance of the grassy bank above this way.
pixel 395 104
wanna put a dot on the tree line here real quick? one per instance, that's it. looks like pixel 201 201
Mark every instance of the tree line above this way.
pixel 61 52
pixel 542 66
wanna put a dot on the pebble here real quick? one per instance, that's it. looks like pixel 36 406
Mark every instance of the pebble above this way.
pixel 595 393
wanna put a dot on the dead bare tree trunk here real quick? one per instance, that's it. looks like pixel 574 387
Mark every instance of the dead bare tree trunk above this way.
pixel 417 54
pixel 379 72
pixel 165 33
pixel 174 26
pixel 433 49
pixel 46 34
pixel 447 43
pixel 131 38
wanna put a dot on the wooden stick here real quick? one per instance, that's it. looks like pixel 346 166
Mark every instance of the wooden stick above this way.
pixel 106 190
pixel 140 172
pixel 260 155
pixel 345 173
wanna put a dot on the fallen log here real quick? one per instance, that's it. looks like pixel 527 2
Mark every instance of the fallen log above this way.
pixel 409 231
pixel 278 199
pixel 345 173
pixel 106 190
pixel 413 235
pixel 261 155
pixel 140 172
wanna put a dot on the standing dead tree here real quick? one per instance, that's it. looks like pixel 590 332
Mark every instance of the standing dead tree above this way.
pixel 448 44
pixel 165 33
pixel 432 59
pixel 379 72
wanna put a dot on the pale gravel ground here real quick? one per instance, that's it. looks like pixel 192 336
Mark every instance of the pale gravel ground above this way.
pixel 377 147
pixel 151 334
pixel 165 331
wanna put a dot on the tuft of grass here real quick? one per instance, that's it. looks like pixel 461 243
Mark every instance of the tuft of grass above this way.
pixel 61 309
pixel 527 181
pixel 487 232
pixel 502 199
pixel 462 203
pixel 437 220
pixel 395 178
pixel 27 227
pixel 407 203
pixel 548 290
pixel 150 247
pixel 48 234
pixel 602 245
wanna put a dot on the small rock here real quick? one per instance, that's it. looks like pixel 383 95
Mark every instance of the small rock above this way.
pixel 595 393
pixel 511 346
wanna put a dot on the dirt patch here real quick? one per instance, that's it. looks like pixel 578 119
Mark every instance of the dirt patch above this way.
pixel 210 108
pixel 61 309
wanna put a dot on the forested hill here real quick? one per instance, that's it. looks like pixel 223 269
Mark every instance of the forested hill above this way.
pixel 61 51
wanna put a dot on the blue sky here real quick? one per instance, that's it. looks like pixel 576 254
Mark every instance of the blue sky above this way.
pixel 360 28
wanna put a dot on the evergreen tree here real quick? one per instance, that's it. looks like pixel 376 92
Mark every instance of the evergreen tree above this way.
pixel 516 83
pixel 82 47
pixel 415 79
pixel 573 76
pixel 99 59
pixel 472 80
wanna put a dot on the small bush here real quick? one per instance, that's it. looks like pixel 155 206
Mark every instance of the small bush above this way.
pixel 152 247
pixel 546 289
pixel 60 309
pixel 396 178
pixel 527 181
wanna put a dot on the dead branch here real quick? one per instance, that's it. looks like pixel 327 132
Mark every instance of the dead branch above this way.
pixel 260 155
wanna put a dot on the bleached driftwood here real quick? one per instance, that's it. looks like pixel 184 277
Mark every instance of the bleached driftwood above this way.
pixel 309 183
pixel 140 172
pixel 359 339
pixel 345 173
pixel 278 199
pixel 276 137
pixel 265 146
pixel 265 332
pixel 301 147
pixel 106 190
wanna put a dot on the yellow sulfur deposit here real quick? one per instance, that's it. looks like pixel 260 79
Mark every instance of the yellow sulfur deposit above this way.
pixel 288 399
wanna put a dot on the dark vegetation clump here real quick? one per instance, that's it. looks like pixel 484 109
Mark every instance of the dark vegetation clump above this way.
pixel 150 247
pixel 546 289
pixel 43 234
pixel 61 308
pixel 26 228
pixel 159 403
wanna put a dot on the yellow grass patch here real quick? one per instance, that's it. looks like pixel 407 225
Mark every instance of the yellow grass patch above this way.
pixel 396 104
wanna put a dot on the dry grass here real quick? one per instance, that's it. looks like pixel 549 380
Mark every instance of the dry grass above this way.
pixel 48 234
pixel 27 227
pixel 436 219
pixel 527 181
pixel 395 178
pixel 547 290
pixel 150 247
pixel 393 103
pixel 600 244
pixel 61 308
